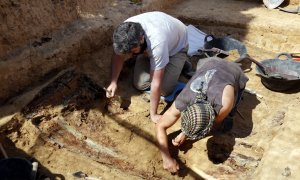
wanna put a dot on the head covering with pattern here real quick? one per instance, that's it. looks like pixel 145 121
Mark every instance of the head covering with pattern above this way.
pixel 198 118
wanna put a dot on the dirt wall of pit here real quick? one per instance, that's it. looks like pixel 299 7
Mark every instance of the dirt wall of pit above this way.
pixel 40 37
pixel 31 35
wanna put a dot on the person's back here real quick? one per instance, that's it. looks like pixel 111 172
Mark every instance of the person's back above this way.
pixel 164 34
pixel 214 75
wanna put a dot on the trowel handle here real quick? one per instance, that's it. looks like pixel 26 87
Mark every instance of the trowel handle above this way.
pixel 262 67
pixel 287 55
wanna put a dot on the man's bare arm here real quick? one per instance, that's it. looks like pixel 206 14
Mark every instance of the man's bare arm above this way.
pixel 117 62
pixel 157 77
pixel 227 104
pixel 168 119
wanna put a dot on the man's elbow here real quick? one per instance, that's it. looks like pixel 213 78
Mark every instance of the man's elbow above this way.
pixel 224 112
pixel 160 127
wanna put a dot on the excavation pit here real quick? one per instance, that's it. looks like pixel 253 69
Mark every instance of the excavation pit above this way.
pixel 65 122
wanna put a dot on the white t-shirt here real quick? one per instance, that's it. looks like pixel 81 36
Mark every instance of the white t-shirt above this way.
pixel 164 34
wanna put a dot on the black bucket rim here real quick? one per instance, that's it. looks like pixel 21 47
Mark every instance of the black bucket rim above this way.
pixel 277 84
pixel 231 43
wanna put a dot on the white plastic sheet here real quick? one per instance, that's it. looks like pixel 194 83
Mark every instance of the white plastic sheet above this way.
pixel 195 40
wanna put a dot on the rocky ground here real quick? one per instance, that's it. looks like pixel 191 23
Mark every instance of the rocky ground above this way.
pixel 64 121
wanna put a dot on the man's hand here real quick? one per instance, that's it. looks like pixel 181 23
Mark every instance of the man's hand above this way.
pixel 155 118
pixel 116 67
pixel 179 139
pixel 111 90
pixel 171 165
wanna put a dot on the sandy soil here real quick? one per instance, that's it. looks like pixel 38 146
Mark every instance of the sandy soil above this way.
pixel 66 124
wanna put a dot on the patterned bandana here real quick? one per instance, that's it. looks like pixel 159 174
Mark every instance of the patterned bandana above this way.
pixel 197 119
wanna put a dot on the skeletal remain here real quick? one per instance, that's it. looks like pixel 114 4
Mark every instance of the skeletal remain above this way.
pixel 250 91
pixel 203 174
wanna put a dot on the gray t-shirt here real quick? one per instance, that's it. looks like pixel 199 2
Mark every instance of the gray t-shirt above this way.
pixel 213 76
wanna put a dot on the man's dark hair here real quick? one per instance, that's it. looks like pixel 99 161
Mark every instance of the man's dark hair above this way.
pixel 127 36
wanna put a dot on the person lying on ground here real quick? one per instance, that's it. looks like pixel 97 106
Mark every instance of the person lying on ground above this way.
pixel 158 41
pixel 208 101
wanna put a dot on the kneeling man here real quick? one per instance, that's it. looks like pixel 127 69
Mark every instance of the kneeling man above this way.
pixel 208 101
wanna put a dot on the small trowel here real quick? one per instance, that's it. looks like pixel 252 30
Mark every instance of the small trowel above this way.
pixel 80 174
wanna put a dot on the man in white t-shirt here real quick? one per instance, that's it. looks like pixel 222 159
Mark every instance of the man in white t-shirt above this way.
pixel 158 40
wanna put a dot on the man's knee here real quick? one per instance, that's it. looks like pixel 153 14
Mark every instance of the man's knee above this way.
pixel 141 79
pixel 142 86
